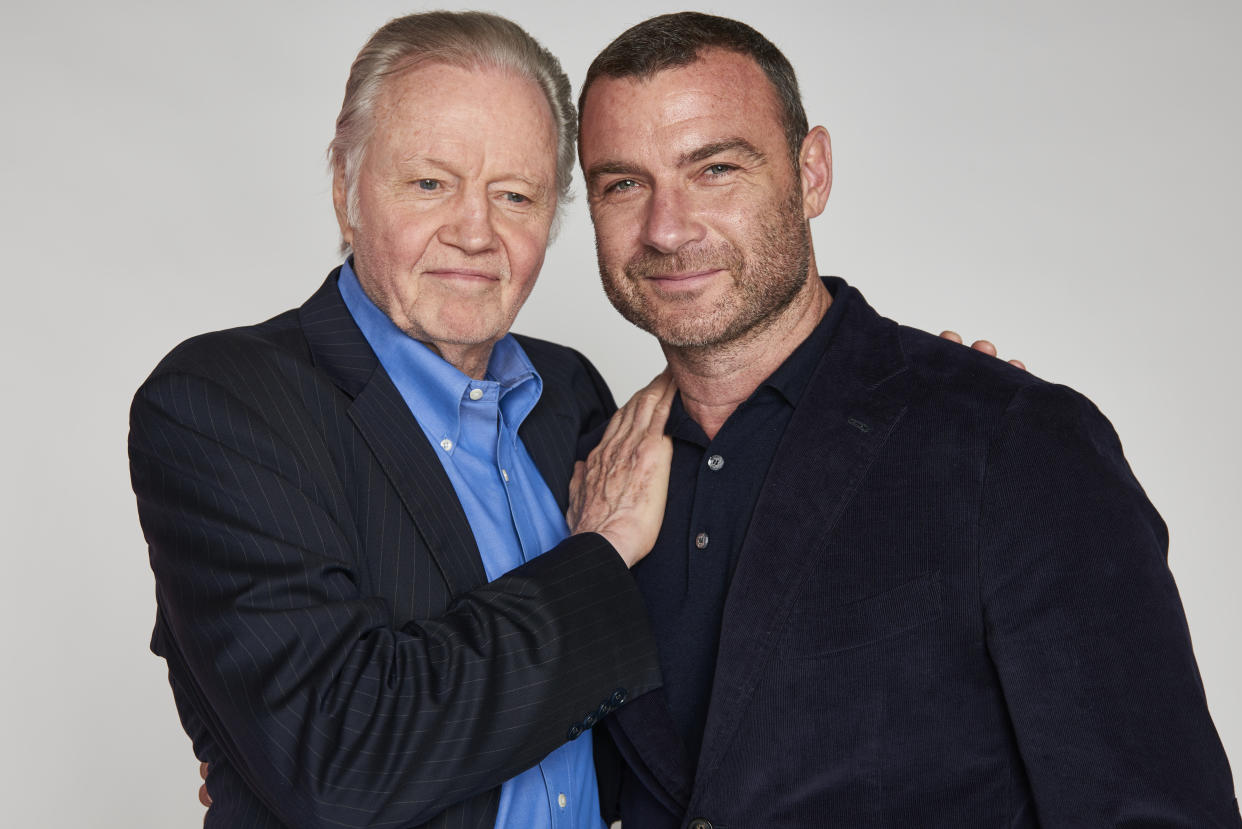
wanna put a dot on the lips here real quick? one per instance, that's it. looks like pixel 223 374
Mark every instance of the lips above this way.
pixel 463 273
pixel 682 281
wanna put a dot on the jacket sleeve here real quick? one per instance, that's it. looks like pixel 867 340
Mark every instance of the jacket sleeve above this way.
pixel 1086 628
pixel 329 714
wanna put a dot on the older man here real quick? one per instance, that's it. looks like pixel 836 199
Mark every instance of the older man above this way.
pixel 898 584
pixel 369 605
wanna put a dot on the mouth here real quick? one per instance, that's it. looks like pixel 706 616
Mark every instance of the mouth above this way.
pixel 463 274
pixel 683 280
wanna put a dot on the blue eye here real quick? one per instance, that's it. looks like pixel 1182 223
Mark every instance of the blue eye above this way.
pixel 516 198
pixel 720 169
pixel 428 184
pixel 622 185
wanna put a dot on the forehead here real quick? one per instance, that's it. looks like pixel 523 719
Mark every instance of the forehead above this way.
pixel 720 94
pixel 484 111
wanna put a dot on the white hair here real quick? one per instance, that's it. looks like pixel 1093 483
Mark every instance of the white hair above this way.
pixel 466 39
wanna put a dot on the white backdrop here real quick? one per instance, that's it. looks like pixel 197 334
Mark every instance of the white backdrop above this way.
pixel 1062 177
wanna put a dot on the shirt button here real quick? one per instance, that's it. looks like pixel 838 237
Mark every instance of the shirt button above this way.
pixel 475 394
pixel 700 540
pixel 561 800
pixel 715 462
pixel 446 445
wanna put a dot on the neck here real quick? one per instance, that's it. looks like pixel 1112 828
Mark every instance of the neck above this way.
pixel 470 360
pixel 715 379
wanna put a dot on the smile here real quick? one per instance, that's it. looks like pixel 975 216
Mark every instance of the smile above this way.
pixel 465 274
pixel 681 282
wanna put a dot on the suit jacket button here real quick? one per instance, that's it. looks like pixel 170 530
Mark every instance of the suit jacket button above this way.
pixel 700 823
pixel 590 720
pixel 618 696
pixel 575 731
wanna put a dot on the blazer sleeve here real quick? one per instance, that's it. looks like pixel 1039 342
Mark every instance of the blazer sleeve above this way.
pixel 1086 629
pixel 329 713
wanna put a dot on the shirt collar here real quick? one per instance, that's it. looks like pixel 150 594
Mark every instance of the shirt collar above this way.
pixel 433 388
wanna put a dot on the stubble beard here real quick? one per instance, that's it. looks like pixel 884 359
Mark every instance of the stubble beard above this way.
pixel 766 278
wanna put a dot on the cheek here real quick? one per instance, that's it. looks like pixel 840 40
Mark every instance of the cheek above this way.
pixel 526 248
pixel 616 238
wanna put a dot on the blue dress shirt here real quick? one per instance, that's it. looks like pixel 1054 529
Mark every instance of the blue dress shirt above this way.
pixel 474 426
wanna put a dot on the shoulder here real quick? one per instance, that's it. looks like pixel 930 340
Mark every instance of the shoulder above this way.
pixel 225 352
pixel 567 368
pixel 974 384
pixel 550 356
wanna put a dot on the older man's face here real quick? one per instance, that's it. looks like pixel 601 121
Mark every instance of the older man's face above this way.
pixel 456 196
pixel 698 213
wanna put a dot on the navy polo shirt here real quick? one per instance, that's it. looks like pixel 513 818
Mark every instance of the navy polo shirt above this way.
pixel 712 491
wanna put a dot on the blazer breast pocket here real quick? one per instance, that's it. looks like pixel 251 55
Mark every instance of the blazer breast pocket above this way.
pixel 818 631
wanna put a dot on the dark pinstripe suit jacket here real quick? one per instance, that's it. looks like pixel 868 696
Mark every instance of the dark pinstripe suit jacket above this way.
pixel 333 647
pixel 952 609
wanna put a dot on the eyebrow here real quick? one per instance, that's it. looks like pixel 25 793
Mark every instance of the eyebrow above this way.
pixel 717 147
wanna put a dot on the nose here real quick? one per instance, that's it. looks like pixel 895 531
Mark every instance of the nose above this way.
pixel 670 223
pixel 469 227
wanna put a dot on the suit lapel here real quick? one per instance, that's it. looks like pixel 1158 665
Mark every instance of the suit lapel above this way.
pixel 550 432
pixel 394 436
pixel 851 404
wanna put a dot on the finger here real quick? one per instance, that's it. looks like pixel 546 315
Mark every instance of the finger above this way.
pixel 203 797
pixel 652 403
pixel 202 770
pixel 664 405
pixel 614 423
pixel 1018 363
pixel 985 346
pixel 952 336
pixel 575 486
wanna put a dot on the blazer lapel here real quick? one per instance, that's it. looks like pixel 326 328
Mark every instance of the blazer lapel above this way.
pixel 394 436
pixel 850 406
pixel 550 432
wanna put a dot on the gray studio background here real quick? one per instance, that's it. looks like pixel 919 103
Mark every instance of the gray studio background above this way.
pixel 1062 177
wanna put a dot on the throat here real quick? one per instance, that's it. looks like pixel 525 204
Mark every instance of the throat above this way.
pixel 715 379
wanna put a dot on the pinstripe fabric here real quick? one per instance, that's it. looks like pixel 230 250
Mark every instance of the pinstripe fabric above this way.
pixel 334 650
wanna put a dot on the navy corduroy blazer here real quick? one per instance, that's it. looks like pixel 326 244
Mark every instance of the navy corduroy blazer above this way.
pixel 952 609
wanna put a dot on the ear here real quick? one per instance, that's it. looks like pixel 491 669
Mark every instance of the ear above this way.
pixel 340 202
pixel 815 170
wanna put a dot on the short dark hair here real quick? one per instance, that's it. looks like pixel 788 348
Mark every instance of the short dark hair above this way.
pixel 674 40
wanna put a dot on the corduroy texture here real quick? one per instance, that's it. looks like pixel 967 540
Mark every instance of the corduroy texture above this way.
pixel 958 616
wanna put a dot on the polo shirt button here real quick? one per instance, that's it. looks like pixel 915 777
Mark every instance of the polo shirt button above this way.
pixel 715 462
pixel 700 541
pixel 700 823
pixel 446 445
pixel 561 800
pixel 476 394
